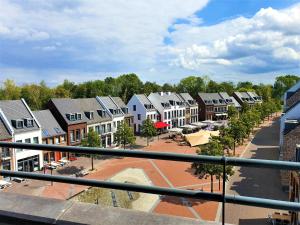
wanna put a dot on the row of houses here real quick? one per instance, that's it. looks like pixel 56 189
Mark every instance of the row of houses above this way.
pixel 180 109
pixel 67 121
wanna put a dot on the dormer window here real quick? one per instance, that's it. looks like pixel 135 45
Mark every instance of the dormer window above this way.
pixel 18 123
pixel 28 122
pixel 89 115
pixel 78 116
pixel 71 116
pixel 101 113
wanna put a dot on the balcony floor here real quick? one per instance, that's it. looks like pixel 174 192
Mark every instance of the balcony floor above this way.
pixel 16 209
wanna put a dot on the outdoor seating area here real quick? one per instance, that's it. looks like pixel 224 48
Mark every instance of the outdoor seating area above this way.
pixel 55 164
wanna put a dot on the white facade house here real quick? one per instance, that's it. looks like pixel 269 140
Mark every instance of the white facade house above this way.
pixel 141 108
pixel 114 111
pixel 170 107
pixel 23 127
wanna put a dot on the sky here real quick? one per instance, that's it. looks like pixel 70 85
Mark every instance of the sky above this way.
pixel 161 41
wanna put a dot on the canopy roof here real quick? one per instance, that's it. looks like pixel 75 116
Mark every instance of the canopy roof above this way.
pixel 201 137
pixel 176 130
pixel 159 125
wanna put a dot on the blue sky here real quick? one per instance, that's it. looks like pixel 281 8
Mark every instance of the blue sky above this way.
pixel 165 41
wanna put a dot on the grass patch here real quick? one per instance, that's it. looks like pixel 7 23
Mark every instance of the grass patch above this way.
pixel 103 196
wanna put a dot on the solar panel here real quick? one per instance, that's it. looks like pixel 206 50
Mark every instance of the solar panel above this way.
pixel 57 130
pixel 45 132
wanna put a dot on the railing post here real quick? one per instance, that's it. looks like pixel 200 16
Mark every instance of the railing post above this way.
pixel 223 190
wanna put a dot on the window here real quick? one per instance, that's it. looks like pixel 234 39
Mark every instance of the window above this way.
pixel 36 140
pixel 139 116
pixel 77 136
pixel 109 127
pixel 50 141
pixel 78 116
pixel 27 140
pixel 165 115
pixel 28 122
pixel 103 128
pixel 19 124
pixel 297 155
pixel 72 136
pixel 97 129
pixel 72 117
pixel 57 140
pixel 169 115
pixel 19 149
pixel 134 107
pixel 63 138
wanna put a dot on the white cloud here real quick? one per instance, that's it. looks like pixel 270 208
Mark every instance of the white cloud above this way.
pixel 270 39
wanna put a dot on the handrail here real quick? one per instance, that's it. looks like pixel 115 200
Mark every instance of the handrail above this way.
pixel 234 161
pixel 241 200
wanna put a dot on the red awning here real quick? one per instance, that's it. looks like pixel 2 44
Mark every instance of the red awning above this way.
pixel 159 125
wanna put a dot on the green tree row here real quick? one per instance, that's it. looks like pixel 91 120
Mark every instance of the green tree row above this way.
pixel 240 126
pixel 37 95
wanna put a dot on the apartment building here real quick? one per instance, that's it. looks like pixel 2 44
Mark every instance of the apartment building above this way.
pixel 52 133
pixel 6 154
pixel 141 108
pixel 128 117
pixel 291 96
pixel 114 111
pixel 251 98
pixel 191 112
pixel 170 107
pixel 21 124
pixel 212 106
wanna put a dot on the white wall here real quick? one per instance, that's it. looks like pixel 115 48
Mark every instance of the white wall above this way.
pixel 27 153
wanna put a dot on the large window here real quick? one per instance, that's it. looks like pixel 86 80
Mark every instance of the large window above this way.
pixel 139 116
pixel 72 136
pixel 109 127
pixel 35 140
pixel 27 140
pixel 77 136
pixel 103 129
pixel 134 107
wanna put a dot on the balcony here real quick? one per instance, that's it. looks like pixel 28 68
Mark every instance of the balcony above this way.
pixel 79 213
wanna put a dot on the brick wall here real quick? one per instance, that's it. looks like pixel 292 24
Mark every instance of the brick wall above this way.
pixel 293 99
pixel 288 152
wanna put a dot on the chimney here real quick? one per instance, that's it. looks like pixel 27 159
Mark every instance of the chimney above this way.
pixel 169 92
pixel 161 93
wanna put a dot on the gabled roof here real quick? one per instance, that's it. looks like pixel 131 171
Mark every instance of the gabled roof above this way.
pixel 122 105
pixel 188 99
pixel 4 133
pixel 17 110
pixel 110 104
pixel 50 126
pixel 243 96
pixel 235 102
pixel 146 102
pixel 81 105
pixel 166 97
pixel 212 98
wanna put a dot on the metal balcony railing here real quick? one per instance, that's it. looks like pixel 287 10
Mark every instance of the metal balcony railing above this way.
pixel 219 197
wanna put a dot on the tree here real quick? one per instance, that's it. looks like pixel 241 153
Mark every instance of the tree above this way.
pixel 232 111
pixel 236 131
pixel 282 84
pixel 212 148
pixel 10 90
pixel 148 129
pixel 125 135
pixel 150 87
pixel 192 85
pixel 92 140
